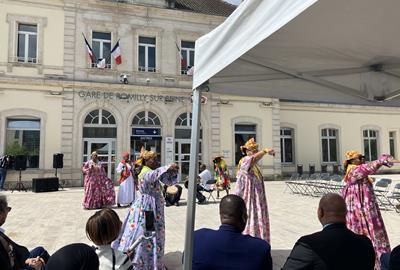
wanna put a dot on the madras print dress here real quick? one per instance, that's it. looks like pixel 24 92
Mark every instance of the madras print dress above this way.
pixel 150 199
pixel 250 186
pixel 98 188
pixel 363 214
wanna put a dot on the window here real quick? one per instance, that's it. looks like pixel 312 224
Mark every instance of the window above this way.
pixel 370 144
pixel 187 56
pixel 23 138
pixel 99 124
pixel 146 132
pixel 243 132
pixel 101 44
pixel 147 54
pixel 392 143
pixel 27 43
pixel 146 118
pixel 183 126
pixel 287 145
pixel 329 145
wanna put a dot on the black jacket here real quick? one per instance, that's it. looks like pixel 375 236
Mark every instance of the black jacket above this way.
pixel 333 248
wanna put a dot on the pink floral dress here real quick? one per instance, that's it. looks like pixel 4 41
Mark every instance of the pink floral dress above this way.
pixel 363 214
pixel 250 186
pixel 99 189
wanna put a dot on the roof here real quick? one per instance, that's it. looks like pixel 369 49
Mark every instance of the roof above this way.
pixel 210 7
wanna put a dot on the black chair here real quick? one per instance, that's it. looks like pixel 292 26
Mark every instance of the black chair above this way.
pixel 324 168
pixel 210 191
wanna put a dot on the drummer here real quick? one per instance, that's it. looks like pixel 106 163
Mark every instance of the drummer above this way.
pixel 172 194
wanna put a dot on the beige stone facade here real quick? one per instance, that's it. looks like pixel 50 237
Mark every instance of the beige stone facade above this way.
pixel 58 93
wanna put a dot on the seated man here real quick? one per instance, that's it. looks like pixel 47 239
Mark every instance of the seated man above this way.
pixel 335 247
pixel 391 261
pixel 14 256
pixel 227 248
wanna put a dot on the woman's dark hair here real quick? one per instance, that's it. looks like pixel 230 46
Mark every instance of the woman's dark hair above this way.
pixel 74 257
pixel 103 227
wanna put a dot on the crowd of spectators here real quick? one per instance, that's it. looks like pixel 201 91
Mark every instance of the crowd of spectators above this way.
pixel 334 247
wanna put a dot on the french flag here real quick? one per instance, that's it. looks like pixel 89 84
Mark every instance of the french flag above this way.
pixel 89 50
pixel 116 54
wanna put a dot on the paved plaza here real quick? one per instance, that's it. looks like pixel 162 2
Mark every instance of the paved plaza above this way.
pixel 56 219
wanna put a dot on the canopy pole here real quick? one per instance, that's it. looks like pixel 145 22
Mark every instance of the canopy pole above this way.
pixel 193 173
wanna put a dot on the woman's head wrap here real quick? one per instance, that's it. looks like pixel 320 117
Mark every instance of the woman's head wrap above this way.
pixel 144 154
pixel 249 145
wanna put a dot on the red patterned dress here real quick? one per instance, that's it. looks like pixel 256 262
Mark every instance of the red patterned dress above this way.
pixel 250 186
pixel 99 189
pixel 363 214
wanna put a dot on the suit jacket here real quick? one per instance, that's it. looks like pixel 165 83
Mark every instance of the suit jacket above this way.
pixel 333 248
pixel 228 249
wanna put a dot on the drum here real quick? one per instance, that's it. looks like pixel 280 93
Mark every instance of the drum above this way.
pixel 172 190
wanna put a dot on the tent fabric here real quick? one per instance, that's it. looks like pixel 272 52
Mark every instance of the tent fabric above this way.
pixel 342 51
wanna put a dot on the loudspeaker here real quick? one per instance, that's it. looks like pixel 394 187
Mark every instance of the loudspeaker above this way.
pixel 58 161
pixel 45 184
pixel 20 162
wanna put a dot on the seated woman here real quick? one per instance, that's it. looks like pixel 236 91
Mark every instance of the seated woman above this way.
pixel 103 228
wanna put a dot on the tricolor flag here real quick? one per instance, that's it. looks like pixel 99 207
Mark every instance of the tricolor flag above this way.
pixel 183 61
pixel 116 53
pixel 89 50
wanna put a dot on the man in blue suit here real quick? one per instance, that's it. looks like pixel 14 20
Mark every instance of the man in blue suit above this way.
pixel 227 248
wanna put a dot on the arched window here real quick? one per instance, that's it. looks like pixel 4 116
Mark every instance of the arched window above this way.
pixel 146 118
pixel 100 117
pixel 146 132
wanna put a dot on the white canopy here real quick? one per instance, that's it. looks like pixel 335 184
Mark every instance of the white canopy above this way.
pixel 335 51
pixel 339 51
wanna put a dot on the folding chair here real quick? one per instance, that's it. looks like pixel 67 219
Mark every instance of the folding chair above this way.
pixel 394 197
pixel 381 190
pixel 210 191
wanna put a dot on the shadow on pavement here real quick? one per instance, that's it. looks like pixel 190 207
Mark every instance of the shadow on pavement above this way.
pixel 173 260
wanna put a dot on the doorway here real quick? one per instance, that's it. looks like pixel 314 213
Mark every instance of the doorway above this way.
pixel 105 149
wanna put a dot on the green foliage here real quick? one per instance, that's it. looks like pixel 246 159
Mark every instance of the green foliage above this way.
pixel 15 149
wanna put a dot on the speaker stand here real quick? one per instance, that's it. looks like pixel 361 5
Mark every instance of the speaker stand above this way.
pixel 59 182
pixel 19 186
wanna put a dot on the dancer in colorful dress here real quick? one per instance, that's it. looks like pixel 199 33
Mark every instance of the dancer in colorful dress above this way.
pixel 250 186
pixel 99 189
pixel 222 178
pixel 149 254
pixel 363 214
pixel 126 190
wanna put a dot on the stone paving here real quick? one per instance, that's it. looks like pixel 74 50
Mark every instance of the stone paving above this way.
pixel 57 218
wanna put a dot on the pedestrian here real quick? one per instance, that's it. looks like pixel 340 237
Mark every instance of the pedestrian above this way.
pixel 98 188
pixel 149 253
pixel 4 163
pixel 126 190
pixel 250 186
pixel 363 214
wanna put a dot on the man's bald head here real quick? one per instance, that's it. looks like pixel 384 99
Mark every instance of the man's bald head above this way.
pixel 232 211
pixel 332 209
